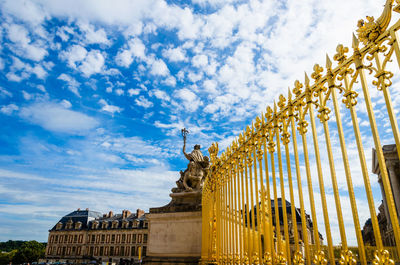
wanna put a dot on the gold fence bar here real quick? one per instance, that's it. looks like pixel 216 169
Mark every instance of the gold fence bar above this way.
pixel 236 203
pixel 285 140
pixel 298 177
pixel 268 193
pixel 378 147
pixel 303 130
pixel 242 212
pixel 249 236
pixel 283 199
pixel 320 176
pixel 346 166
pixel 258 214
pixel 386 94
pixel 231 237
pixel 250 162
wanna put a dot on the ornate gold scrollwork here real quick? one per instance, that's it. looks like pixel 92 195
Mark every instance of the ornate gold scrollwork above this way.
pixel 256 260
pixel 267 258
pixel 319 258
pixel 280 259
pixel 347 258
pixel 298 258
pixel 381 257
pixel 245 258
pixel 371 29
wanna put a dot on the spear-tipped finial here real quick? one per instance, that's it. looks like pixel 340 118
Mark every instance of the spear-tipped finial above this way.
pixel 306 79
pixel 289 94
pixel 355 42
pixel 275 108
pixel 328 62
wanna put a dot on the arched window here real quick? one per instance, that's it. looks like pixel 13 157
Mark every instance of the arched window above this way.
pixel 125 224
pixel 115 224
pixel 104 225
pixel 95 225
pixel 69 224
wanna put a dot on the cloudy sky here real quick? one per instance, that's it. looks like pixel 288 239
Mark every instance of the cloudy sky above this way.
pixel 93 94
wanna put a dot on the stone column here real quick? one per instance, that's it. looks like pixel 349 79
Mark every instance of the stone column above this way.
pixel 394 183
pixel 385 206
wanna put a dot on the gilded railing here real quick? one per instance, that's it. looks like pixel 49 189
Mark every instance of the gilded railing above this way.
pixel 240 195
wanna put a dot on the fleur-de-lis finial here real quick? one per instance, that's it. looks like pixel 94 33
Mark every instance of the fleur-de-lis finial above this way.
pixel 316 75
pixel 340 56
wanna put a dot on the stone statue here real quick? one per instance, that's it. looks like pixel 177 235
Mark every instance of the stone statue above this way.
pixel 192 178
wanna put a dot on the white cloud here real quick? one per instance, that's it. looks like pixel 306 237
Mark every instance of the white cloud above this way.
pixel 73 85
pixel 56 118
pixel 160 94
pixel 20 36
pixel 143 102
pixel 5 93
pixel 190 101
pixel 175 54
pixel 26 95
pixel 133 92
pixel 134 49
pixel 91 35
pixel 158 67
pixel 109 108
pixel 66 104
pixel 8 109
pixel 119 92
pixel 74 54
pixel 93 63
pixel 200 61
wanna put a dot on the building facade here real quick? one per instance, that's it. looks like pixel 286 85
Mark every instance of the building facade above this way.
pixel 385 226
pixel 85 236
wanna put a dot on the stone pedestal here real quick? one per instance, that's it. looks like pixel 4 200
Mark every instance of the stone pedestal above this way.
pixel 175 231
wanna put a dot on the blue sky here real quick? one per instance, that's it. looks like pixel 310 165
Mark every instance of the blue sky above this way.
pixel 93 94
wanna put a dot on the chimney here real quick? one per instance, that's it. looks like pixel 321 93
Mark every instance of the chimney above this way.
pixel 139 213
pixel 79 209
pixel 110 214
pixel 87 209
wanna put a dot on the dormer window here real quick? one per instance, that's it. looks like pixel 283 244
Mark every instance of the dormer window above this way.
pixel 125 224
pixel 59 225
pixel 115 224
pixel 95 225
pixel 69 224
pixel 135 223
pixel 104 225
pixel 78 225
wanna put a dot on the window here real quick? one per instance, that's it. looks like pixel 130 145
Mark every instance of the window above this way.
pixel 97 238
pixel 108 239
pixel 128 240
pixel 146 224
pixel 93 238
pixel 133 252
pixel 103 238
pixel 112 238
pixel 70 239
pixel 56 240
pixel 134 238
pixel 144 251
pixel 111 251
pixel 59 225
pixel 64 249
pixel 106 251
pixel 139 240
pixel 59 251
pixel 49 251
pixel 145 238
pixel 54 250
pixel 78 251
pixel 73 250
pixel 116 251
pixel 96 251
pixel 95 225
pixel 80 238
pixel 65 239
pixel 75 238
pixel 68 251
pixel 123 238
pixel 118 238
pixel 78 225
pixel 115 224
pixel 91 251
pixel 101 251
pixel 104 224
pixel 122 251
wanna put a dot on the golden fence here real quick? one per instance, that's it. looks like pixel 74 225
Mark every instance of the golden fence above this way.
pixel 240 194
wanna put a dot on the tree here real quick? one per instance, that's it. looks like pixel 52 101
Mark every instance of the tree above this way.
pixel 30 251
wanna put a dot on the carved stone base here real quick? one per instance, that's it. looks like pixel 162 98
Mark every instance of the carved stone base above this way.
pixel 181 202
pixel 175 238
